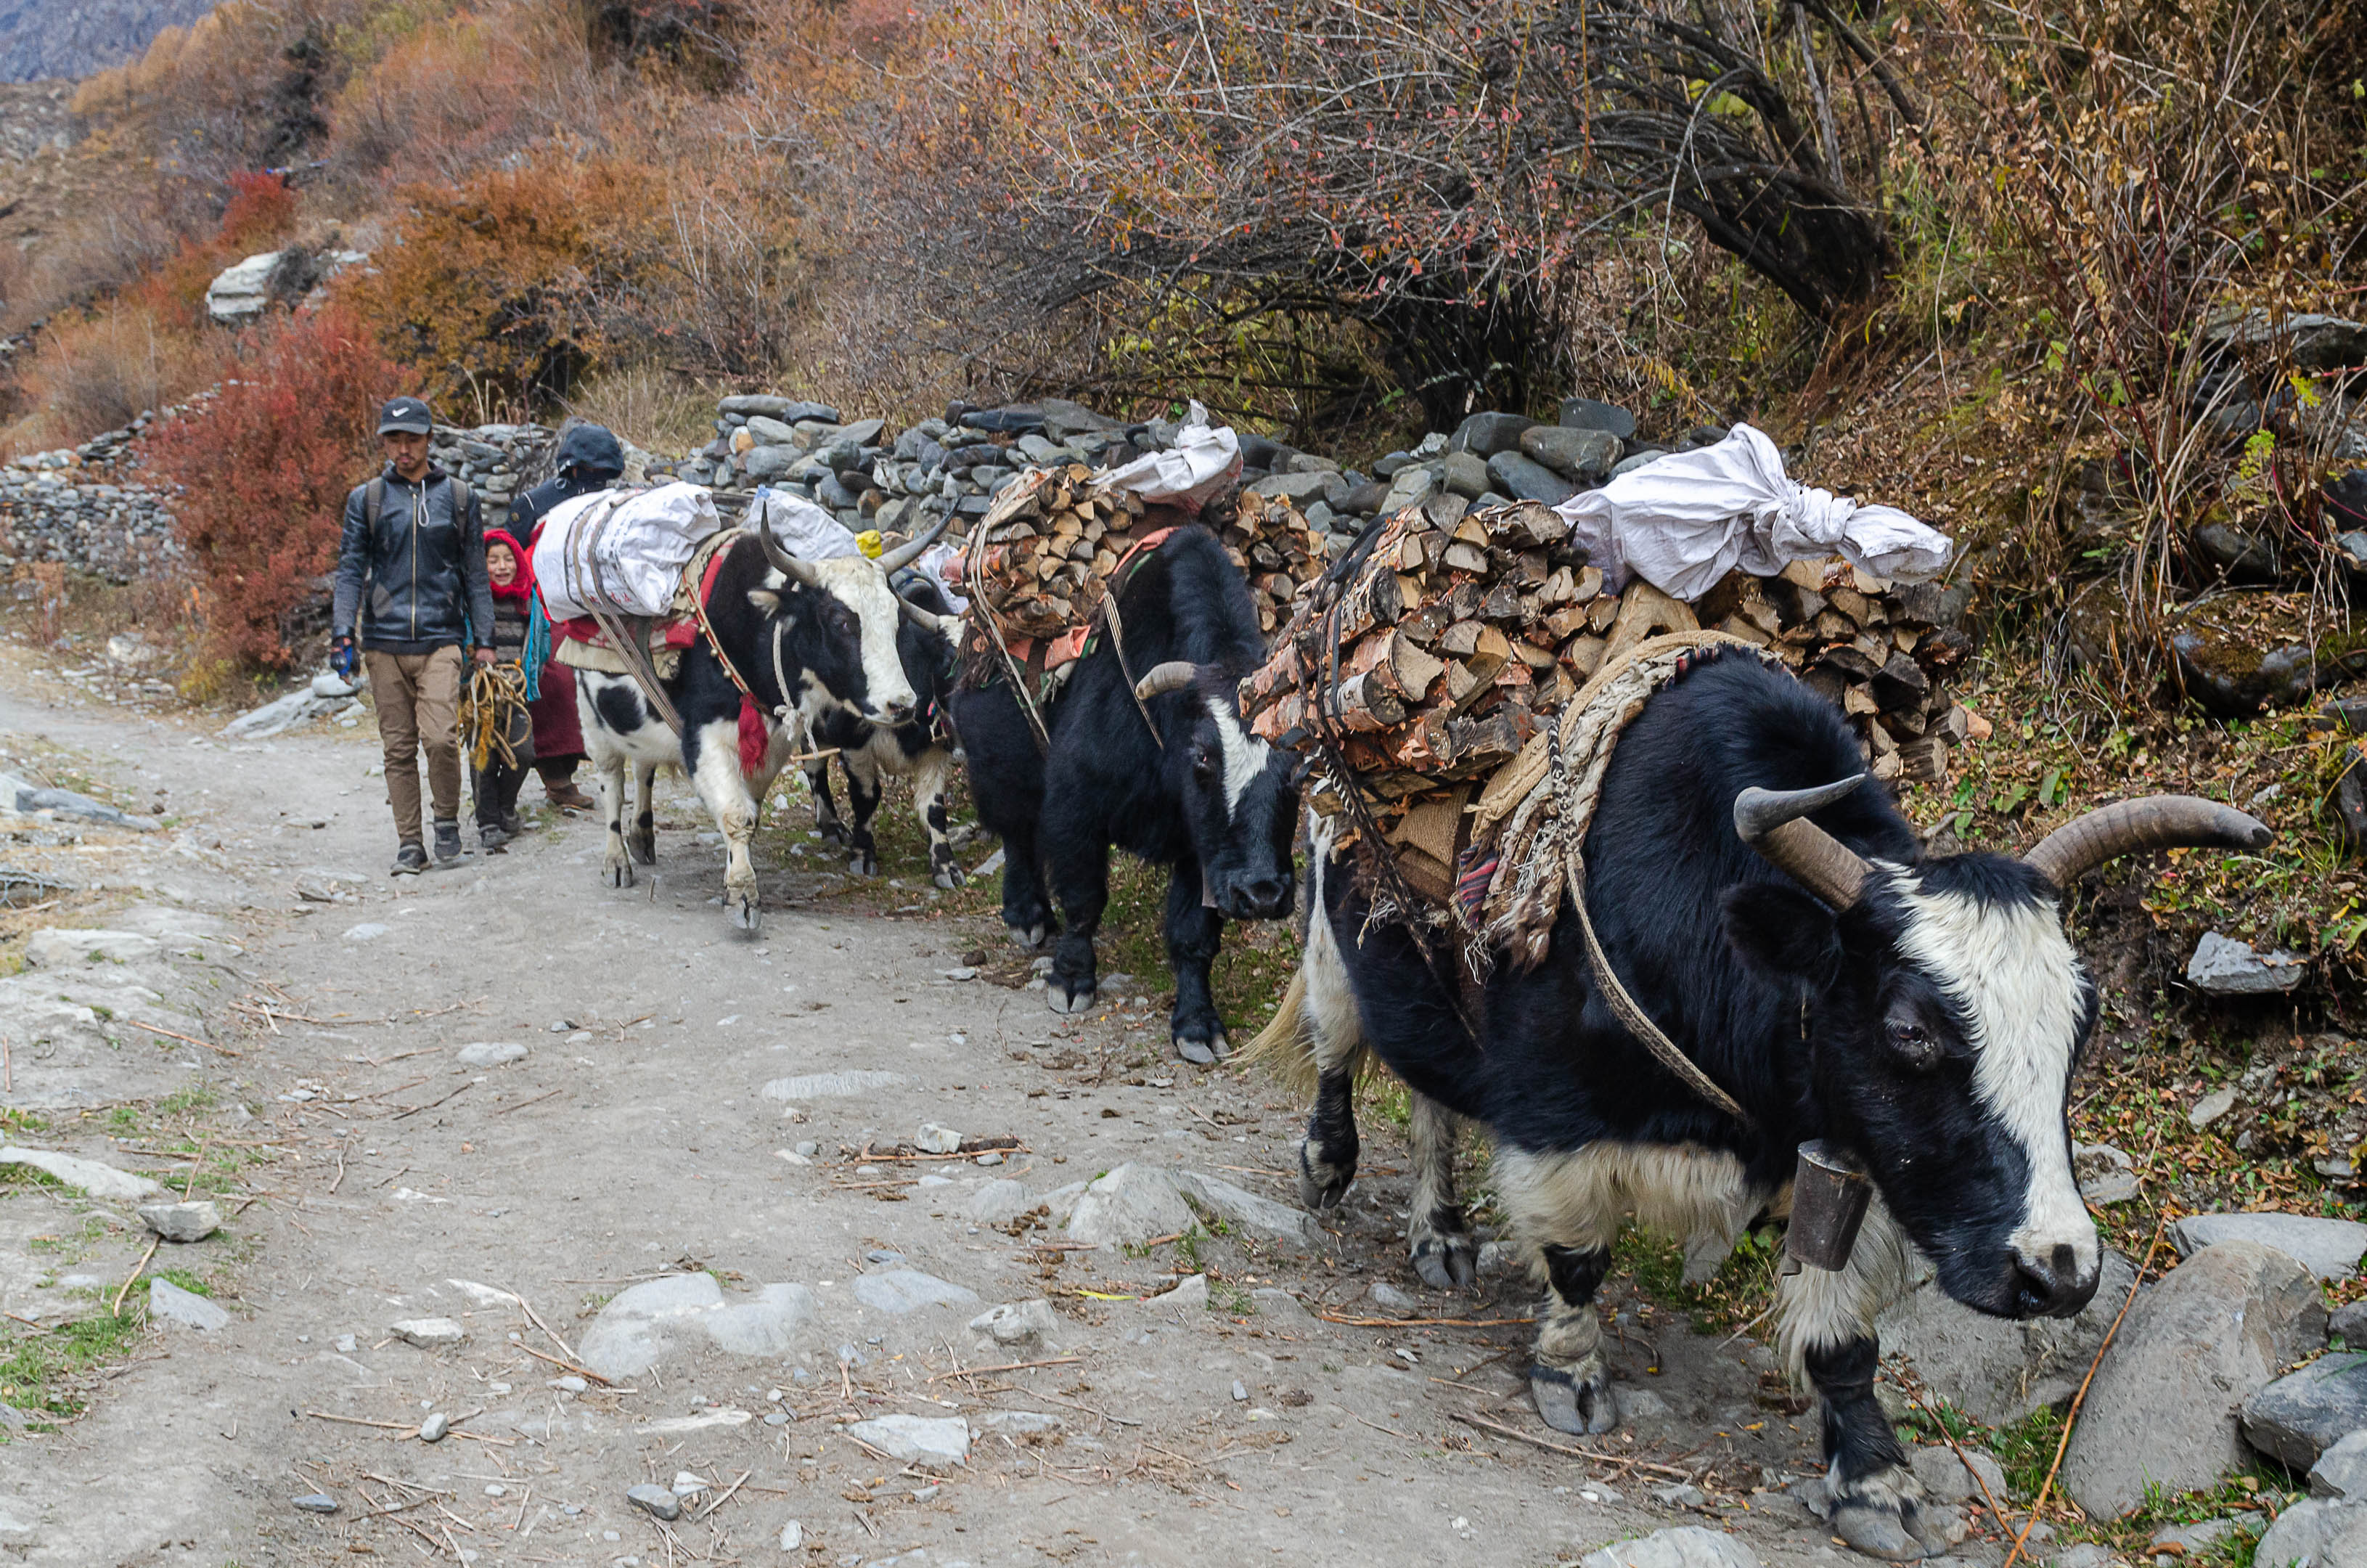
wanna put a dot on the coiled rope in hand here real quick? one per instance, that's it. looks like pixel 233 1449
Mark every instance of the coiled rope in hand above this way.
pixel 492 706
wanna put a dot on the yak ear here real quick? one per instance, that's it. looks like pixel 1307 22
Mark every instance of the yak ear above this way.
pixel 765 599
pixel 1783 932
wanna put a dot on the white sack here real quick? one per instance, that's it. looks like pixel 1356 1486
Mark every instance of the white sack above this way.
pixel 623 551
pixel 1686 520
pixel 1188 473
pixel 803 529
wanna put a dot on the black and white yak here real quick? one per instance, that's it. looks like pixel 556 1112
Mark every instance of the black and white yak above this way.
pixel 805 636
pixel 917 749
pixel 1181 785
pixel 1777 917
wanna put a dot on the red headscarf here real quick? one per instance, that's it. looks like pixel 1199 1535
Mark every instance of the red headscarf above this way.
pixel 522 585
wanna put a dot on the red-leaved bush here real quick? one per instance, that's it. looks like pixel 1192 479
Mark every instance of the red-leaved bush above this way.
pixel 263 470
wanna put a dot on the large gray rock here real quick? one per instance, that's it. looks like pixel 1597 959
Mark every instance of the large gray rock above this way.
pixel 1130 1205
pixel 1261 1217
pixel 2315 1533
pixel 1587 413
pixel 57 947
pixel 1488 434
pixel 1994 1369
pixel 1687 1546
pixel 1577 454
pixel 2327 1248
pixel 2301 1416
pixel 242 291
pixel 787 410
pixel 2349 1324
pixel 1000 1201
pixel 1464 474
pixel 1526 479
pixel 187 1308
pixel 1945 1478
pixel 1298 489
pixel 646 1322
pixel 2223 966
pixel 901 1290
pixel 2163 1407
pixel 2341 1470
pixel 1410 487
pixel 933 1441
pixel 1016 1323
pixel 183 1222
pixel 91 1175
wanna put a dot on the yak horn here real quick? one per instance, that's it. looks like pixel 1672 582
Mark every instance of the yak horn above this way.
pixel 910 550
pixel 1774 823
pixel 2155 822
pixel 927 620
pixel 788 565
pixel 1172 676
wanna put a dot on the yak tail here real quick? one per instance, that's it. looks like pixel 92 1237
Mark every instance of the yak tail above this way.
pixel 1285 1047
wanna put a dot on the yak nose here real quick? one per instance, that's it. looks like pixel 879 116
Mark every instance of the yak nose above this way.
pixel 895 710
pixel 1263 898
pixel 2052 1284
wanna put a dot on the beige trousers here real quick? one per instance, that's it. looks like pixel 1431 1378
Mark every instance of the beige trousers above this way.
pixel 418 700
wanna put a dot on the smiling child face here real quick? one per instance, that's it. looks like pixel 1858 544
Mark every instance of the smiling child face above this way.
pixel 501 565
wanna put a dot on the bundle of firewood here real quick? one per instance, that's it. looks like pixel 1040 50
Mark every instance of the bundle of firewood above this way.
pixel 1042 558
pixel 1443 645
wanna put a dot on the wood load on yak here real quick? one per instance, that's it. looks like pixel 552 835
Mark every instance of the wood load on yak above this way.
pixel 712 648
pixel 1631 892
pixel 1110 623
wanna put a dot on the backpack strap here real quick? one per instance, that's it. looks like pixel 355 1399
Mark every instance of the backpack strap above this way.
pixel 374 500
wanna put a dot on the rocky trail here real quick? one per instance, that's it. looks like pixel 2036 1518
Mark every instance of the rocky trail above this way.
pixel 687 1247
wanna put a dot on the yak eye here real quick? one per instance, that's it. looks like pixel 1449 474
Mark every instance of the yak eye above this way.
pixel 1913 1041
pixel 1204 763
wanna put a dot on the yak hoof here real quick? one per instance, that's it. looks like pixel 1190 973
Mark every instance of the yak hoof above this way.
pixel 747 915
pixel 1029 936
pixel 1201 1052
pixel 1446 1263
pixel 832 832
pixel 645 846
pixel 1881 1530
pixel 949 877
pixel 1322 1184
pixel 616 868
pixel 1065 1000
pixel 863 864
pixel 1581 1406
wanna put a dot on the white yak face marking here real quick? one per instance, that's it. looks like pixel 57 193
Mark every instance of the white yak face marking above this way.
pixel 1245 754
pixel 2013 972
pixel 862 587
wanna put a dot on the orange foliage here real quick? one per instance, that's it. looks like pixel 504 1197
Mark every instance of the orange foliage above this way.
pixel 262 208
pixel 264 468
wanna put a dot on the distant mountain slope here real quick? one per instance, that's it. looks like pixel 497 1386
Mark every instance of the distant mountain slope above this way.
pixel 74 38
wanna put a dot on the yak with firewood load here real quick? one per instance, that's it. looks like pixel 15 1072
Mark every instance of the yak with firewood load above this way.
pixel 1764 958
pixel 782 645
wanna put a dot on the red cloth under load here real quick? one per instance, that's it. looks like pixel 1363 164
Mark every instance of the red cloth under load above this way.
pixel 557 732
pixel 755 732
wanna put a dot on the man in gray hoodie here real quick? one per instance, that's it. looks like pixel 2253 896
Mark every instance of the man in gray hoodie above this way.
pixel 415 542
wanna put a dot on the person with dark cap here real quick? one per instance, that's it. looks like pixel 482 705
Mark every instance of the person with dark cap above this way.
pixel 589 458
pixel 414 543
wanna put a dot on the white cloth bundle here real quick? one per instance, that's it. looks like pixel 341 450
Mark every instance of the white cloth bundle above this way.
pixel 1187 474
pixel 1683 521
pixel 621 550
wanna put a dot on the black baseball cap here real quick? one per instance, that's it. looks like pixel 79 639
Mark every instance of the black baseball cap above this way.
pixel 407 413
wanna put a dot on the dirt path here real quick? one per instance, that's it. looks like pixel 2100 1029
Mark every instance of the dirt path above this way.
pixel 649 1130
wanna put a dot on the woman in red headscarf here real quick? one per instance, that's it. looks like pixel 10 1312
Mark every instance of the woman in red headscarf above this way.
pixel 510 571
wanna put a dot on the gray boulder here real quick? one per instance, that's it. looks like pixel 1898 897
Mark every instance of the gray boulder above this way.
pixel 1410 487
pixel 1261 1217
pixel 932 1441
pixel 1526 479
pixel 1945 1478
pixel 1296 488
pixel 1484 434
pixel 1464 475
pixel 646 1322
pixel 2315 1533
pixel 1577 454
pixel 2340 1471
pixel 2327 1248
pixel 1687 1546
pixel 2348 1325
pixel 1128 1206
pixel 2163 1408
pixel 186 1308
pixel 2303 1414
pixel 1994 1369
pixel 1000 1201
pixel 1587 413
pixel 2223 966
pixel 901 1290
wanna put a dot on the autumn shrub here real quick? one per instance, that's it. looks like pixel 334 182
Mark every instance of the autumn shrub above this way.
pixel 262 470
pixel 98 372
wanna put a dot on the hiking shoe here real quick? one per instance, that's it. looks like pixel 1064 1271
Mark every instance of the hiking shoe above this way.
pixel 567 797
pixel 409 860
pixel 491 837
pixel 448 842
pixel 512 828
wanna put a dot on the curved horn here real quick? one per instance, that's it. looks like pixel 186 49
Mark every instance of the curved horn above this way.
pixel 928 620
pixel 910 550
pixel 2156 822
pixel 1773 822
pixel 1172 676
pixel 788 565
